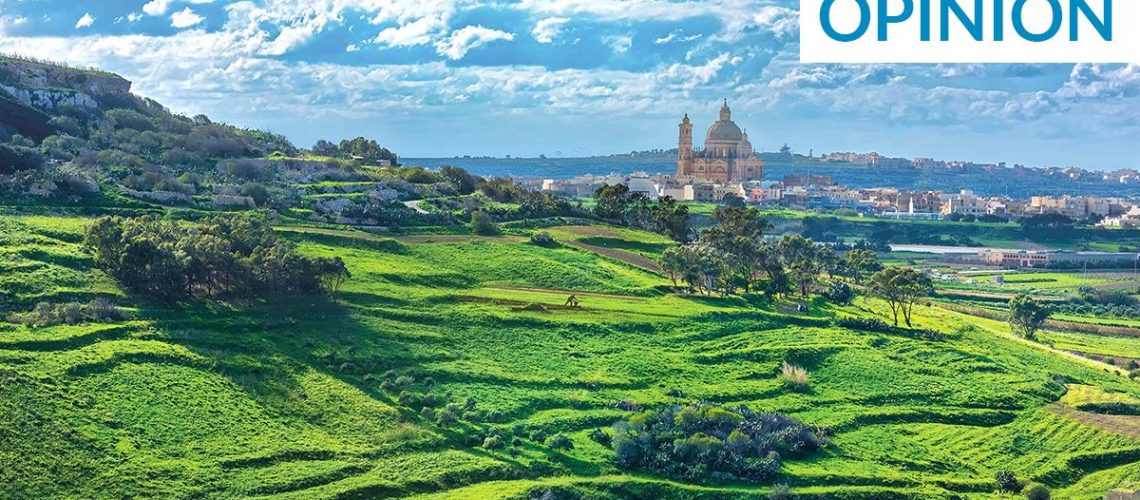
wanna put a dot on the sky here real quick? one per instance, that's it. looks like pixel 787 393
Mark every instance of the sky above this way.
pixel 438 78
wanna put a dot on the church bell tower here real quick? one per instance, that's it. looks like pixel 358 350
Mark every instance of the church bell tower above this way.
pixel 685 148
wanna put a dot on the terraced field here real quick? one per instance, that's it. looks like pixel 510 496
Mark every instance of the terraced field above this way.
pixel 318 398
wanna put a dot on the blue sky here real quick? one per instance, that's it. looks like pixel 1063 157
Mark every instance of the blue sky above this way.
pixel 529 77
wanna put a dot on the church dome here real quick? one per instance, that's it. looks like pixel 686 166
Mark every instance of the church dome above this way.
pixel 726 132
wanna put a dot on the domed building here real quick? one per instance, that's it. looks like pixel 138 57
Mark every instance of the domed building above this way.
pixel 727 156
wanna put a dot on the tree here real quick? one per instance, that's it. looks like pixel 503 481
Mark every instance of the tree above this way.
pixel 333 273
pixel 1027 314
pixel 612 201
pixel 900 287
pixel 800 257
pixel 733 200
pixel 672 219
pixel 463 181
pixel 736 243
pixel 675 262
pixel 368 150
pixel 860 263
pixel 326 148
pixel 483 225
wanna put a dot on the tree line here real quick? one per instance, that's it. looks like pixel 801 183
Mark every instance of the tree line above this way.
pixel 615 203
pixel 734 256
pixel 221 257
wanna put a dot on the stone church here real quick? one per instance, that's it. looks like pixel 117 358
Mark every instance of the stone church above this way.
pixel 727 156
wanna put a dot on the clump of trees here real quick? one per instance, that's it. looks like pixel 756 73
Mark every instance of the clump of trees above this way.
pixel 368 150
pixel 223 257
pixel 900 288
pixel 733 255
pixel 1027 315
pixel 615 203
pixel 695 443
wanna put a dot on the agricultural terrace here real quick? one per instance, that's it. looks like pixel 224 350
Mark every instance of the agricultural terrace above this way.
pixel 450 367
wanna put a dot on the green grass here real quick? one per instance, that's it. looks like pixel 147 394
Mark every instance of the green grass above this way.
pixel 297 399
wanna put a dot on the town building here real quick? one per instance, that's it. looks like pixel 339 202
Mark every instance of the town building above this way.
pixel 727 157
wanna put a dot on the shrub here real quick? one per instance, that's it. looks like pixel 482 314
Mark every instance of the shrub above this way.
pixel 601 437
pixel 493 443
pixel 69 313
pixel 449 415
pixel 1007 482
pixel 561 442
pixel 700 442
pixel 483 225
pixel 839 293
pixel 1111 408
pixel 780 492
pixel 794 377
pixel 543 239
pixel 865 324
pixel 1037 491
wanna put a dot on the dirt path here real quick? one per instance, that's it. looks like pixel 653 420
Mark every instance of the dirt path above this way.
pixel 415 205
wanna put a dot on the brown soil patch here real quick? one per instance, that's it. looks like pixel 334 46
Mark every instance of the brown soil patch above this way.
pixel 588 231
pixel 1124 425
pixel 630 258
pixel 452 238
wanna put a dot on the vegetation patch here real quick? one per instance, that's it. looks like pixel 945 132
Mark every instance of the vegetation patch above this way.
pixel 702 443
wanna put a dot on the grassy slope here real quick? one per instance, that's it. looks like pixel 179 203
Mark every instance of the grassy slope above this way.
pixel 286 400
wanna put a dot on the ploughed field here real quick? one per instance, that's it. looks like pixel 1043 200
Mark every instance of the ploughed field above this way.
pixel 323 398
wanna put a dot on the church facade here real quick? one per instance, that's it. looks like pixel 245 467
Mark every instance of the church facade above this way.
pixel 727 156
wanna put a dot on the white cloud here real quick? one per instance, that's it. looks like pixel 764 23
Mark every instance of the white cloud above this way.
pixel 156 7
pixel 418 32
pixel 619 44
pixel 545 30
pixel 134 17
pixel 85 22
pixel 185 19
pixel 464 39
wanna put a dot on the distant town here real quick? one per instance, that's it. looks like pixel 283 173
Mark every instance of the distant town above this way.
pixel 727 168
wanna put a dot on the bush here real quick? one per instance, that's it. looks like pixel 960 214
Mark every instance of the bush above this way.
pixel 1007 482
pixel 1037 492
pixel 449 415
pixel 493 443
pixel 696 443
pixel 780 492
pixel 1111 408
pixel 601 437
pixel 70 313
pixel 839 293
pixel 561 442
pixel 483 225
pixel 794 377
pixel 543 239
pixel 865 324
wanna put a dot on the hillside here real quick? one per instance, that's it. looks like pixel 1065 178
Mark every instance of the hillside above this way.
pixel 194 346
pixel 320 399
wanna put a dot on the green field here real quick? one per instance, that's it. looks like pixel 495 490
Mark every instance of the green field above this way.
pixel 316 398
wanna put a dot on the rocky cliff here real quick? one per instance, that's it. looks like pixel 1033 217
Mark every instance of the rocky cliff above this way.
pixel 48 87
